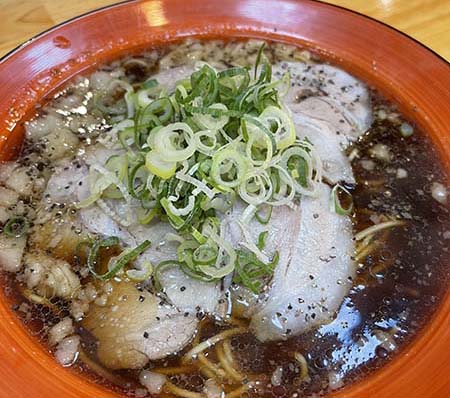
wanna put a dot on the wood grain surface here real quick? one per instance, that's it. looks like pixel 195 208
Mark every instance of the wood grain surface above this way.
pixel 426 20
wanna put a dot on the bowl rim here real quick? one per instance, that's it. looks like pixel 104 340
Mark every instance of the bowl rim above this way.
pixel 38 35
pixel 436 56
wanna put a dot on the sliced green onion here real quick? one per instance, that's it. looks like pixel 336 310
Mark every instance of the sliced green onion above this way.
pixel 189 153
pixel 281 126
pixel 162 266
pixel 211 121
pixel 256 189
pixel 336 204
pixel 263 218
pixel 205 254
pixel 251 272
pixel 262 240
pixel 176 220
pixel 167 140
pixel 16 227
pixel 140 275
pixel 150 83
pixel 159 111
pixel 148 216
pixel 93 253
pixel 156 164
pixel 198 236
pixel 228 168
pixel 261 128
pixel 117 263
pixel 259 57
pixel 225 261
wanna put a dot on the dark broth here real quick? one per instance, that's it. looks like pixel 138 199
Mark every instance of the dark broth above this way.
pixel 397 290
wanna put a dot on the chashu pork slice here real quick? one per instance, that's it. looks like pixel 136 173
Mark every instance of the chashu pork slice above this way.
pixel 187 294
pixel 169 78
pixel 347 96
pixel 135 327
pixel 279 225
pixel 192 295
pixel 311 281
pixel 69 184
pixel 330 108
pixel 281 233
pixel 336 166
pixel 319 109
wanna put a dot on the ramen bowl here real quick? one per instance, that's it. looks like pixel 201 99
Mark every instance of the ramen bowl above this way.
pixel 403 70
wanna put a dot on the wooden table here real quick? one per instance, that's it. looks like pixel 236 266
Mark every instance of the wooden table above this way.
pixel 426 20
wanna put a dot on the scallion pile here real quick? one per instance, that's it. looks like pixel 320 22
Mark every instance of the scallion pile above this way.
pixel 221 136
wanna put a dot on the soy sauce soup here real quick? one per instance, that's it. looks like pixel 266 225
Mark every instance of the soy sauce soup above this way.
pixel 94 267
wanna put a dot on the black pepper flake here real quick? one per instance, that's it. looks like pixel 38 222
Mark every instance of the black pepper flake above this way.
pixel 183 288
pixel 200 315
pixel 186 314
pixel 145 335
pixel 141 298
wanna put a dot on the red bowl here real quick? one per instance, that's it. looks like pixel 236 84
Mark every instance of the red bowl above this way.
pixel 405 71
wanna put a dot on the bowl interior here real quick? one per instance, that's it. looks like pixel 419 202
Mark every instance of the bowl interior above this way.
pixel 402 69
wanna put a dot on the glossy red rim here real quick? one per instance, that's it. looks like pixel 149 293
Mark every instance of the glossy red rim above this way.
pixel 401 68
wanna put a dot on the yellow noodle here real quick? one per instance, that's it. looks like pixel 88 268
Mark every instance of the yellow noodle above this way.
pixel 377 227
pixel 171 371
pixel 238 392
pixel 366 251
pixel 197 334
pixel 362 245
pixel 100 370
pixel 226 360
pixel 238 322
pixel 380 267
pixel 363 249
pixel 211 366
pixel 303 365
pixel 31 296
pixel 163 394
pixel 181 392
pixel 212 341
pixel 207 372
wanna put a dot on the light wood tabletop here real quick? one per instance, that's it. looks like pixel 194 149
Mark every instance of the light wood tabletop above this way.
pixel 426 20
